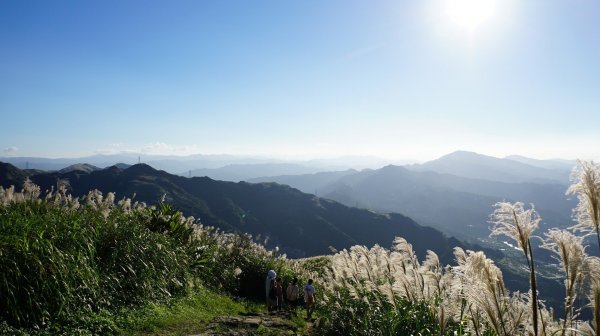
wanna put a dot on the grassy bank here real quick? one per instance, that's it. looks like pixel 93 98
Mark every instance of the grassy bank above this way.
pixel 183 316
pixel 99 267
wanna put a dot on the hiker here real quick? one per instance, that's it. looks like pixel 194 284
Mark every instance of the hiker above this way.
pixel 309 299
pixel 291 293
pixel 279 292
pixel 269 289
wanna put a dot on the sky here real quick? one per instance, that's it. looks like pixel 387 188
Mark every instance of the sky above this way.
pixel 300 79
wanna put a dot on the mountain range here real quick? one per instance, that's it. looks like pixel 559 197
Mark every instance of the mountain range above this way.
pixel 441 194
pixel 512 169
pixel 241 172
pixel 300 224
pixel 454 193
pixel 222 167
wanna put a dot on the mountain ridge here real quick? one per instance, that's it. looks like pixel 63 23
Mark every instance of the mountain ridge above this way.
pixel 454 204
pixel 301 224
pixel 475 165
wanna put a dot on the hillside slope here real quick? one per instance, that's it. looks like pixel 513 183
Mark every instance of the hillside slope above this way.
pixel 300 224
pixel 456 205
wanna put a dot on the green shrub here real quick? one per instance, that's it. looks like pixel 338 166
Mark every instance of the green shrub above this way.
pixel 67 268
pixel 47 266
pixel 58 262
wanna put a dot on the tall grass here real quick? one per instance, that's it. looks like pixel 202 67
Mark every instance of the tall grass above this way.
pixel 60 259
pixel 370 291
pixel 365 287
pixel 573 261
pixel 586 185
pixel 518 223
pixel 63 260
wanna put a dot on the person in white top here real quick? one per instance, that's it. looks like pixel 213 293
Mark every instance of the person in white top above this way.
pixel 309 298
pixel 271 275
pixel 291 293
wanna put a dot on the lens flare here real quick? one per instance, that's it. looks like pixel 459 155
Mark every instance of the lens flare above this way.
pixel 469 14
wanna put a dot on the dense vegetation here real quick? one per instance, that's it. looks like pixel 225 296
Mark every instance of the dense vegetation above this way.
pixel 73 268
pixel 67 267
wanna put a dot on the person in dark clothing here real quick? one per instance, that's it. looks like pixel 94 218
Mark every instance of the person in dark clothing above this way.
pixel 279 292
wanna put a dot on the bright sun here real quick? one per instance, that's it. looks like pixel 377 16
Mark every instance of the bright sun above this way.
pixel 469 14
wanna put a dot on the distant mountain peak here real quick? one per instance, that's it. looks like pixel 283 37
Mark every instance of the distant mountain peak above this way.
pixel 141 168
pixel 479 166
pixel 82 167
pixel 390 168
pixel 122 165
pixel 464 154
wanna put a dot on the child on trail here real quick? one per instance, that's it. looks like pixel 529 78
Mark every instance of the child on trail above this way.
pixel 291 293
pixel 279 293
pixel 309 299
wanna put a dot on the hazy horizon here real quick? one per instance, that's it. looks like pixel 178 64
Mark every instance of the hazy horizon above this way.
pixel 400 80
pixel 369 160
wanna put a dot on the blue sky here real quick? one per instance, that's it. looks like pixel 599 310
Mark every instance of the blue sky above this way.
pixel 395 79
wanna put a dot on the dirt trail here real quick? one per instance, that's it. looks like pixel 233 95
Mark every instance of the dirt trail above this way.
pixel 254 324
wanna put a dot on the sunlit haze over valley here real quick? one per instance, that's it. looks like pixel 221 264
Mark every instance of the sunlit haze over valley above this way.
pixel 399 80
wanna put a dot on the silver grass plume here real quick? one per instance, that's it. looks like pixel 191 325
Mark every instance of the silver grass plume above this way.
pixel 483 287
pixel 7 195
pixel 515 222
pixel 438 280
pixel 31 192
pixel 412 281
pixel 594 292
pixel 390 274
pixel 573 261
pixel 585 180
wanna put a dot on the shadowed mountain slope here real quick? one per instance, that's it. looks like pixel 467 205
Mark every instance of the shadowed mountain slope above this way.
pixel 456 205
pixel 308 183
pixel 242 172
pixel 301 224
pixel 11 175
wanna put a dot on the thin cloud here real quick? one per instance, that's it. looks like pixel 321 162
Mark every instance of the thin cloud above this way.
pixel 156 148
pixel 115 148
pixel 11 150
pixel 162 148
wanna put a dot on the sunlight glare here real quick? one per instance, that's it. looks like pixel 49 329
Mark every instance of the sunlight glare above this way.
pixel 469 14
